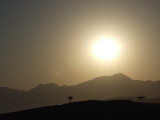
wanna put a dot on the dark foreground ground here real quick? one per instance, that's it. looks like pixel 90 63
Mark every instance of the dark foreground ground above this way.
pixel 109 110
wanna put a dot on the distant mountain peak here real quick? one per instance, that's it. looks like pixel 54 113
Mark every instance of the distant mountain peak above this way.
pixel 47 85
pixel 121 76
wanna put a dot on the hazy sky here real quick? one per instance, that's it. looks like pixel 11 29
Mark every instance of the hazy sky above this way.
pixel 45 41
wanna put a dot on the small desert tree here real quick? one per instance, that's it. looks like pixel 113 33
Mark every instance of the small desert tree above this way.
pixel 140 98
pixel 70 98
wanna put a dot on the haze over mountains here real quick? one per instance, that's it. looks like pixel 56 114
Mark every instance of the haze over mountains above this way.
pixel 100 88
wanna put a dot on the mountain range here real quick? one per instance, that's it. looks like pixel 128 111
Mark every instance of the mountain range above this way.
pixel 100 88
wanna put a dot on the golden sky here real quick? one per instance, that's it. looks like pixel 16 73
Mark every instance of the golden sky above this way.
pixel 45 41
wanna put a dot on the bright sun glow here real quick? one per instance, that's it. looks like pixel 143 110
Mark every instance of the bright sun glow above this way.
pixel 106 49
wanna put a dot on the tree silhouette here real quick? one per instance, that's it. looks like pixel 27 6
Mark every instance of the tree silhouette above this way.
pixel 140 97
pixel 70 98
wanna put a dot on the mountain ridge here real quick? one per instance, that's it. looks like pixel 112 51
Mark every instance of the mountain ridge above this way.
pixel 99 88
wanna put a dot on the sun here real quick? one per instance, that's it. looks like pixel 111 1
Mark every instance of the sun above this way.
pixel 106 49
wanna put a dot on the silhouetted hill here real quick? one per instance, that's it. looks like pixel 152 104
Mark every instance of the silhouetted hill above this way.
pixel 100 88
pixel 110 110
pixel 145 100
